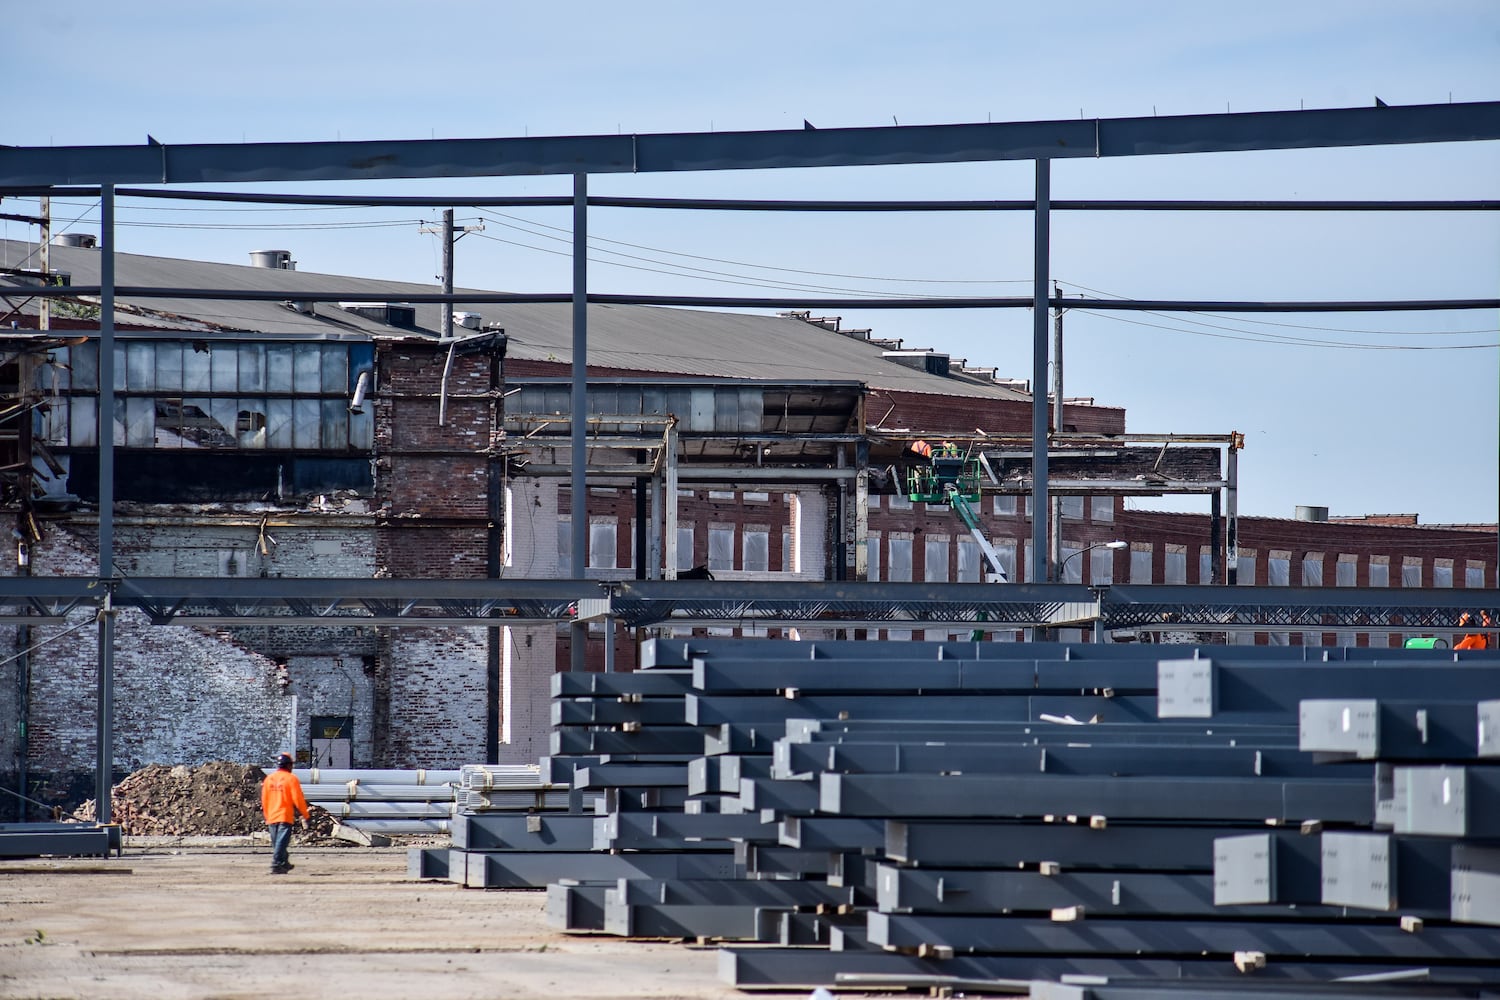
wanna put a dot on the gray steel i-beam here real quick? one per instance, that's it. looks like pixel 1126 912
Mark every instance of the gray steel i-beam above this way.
pixel 239 163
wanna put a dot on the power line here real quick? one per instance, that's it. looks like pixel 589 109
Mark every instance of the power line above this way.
pixel 1293 341
pixel 1295 326
pixel 739 263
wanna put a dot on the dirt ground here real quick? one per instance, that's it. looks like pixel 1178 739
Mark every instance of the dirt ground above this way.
pixel 181 918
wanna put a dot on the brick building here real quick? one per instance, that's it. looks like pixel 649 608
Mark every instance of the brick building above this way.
pixel 347 440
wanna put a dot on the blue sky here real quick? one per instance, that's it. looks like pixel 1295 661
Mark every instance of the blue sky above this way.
pixel 1400 417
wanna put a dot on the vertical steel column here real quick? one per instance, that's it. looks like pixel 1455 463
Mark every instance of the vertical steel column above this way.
pixel 669 508
pixel 1055 528
pixel 105 733
pixel 861 511
pixel 579 632
pixel 1037 571
pixel 1232 517
pixel 1215 540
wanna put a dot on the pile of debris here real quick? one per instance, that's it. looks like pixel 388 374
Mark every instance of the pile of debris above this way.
pixel 216 799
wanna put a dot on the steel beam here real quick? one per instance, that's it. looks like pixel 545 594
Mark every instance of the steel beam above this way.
pixel 529 832
pixel 679 831
pixel 808 968
pixel 535 869
pixel 995 796
pixel 1106 757
pixel 1301 940
pixel 1121 846
pixel 237 163
pixel 1138 894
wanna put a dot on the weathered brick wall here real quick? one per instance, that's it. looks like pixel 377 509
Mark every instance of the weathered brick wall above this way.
pixel 182 695
pixel 930 413
pixel 437 697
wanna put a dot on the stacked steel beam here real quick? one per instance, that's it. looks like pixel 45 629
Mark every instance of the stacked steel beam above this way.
pixel 384 801
pixel 953 814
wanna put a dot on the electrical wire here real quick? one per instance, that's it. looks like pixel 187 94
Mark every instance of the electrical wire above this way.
pixel 497 218
pixel 1295 326
pixel 1291 341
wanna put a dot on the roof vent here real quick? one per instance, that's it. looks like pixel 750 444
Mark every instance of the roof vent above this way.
pixel 1312 513
pixel 930 362
pixel 87 241
pixel 279 259
pixel 389 313
pixel 468 320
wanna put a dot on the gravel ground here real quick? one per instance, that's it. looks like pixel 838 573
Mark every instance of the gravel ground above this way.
pixel 199 917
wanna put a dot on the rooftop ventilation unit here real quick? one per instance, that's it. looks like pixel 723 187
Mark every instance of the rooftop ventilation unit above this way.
pixel 389 313
pixel 87 241
pixel 280 260
pixel 468 320
pixel 930 362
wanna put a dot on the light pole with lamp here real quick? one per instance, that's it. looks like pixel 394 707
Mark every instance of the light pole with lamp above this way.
pixel 1114 544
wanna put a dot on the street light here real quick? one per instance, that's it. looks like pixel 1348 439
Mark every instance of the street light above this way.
pixel 1062 566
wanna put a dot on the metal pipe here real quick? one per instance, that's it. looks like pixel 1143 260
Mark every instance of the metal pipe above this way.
pixel 384 776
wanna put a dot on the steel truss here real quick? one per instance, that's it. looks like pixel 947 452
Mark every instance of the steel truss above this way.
pixel 827 604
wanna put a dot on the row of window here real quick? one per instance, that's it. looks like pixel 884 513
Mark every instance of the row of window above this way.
pixel 1101 509
pixel 747 548
pixel 978 633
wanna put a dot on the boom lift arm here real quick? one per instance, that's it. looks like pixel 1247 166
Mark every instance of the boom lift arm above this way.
pixel 953 479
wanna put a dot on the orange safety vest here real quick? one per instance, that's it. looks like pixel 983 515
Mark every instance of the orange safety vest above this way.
pixel 281 797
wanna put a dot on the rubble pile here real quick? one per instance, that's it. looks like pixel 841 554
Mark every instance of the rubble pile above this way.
pixel 216 799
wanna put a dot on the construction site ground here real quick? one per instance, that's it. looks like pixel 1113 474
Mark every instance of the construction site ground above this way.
pixel 199 917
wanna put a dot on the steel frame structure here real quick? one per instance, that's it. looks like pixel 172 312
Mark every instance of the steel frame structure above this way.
pixel 45 169
pixel 57 600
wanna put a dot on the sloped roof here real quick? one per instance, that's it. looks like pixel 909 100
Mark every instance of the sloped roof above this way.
pixel 669 341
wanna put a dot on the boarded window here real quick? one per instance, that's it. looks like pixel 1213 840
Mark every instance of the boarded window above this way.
pixel 721 547
pixel 935 551
pixel 1102 567
pixel 1140 564
pixel 602 544
pixel 1176 565
pixel 757 550
pixel 1345 571
pixel 900 560
pixel 1312 570
pixel 1279 569
pixel 968 561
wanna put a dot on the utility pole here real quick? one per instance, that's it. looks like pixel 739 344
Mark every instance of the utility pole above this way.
pixel 44 308
pixel 1055 542
pixel 446 230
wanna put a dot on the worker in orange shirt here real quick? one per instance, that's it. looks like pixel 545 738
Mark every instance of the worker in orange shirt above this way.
pixel 281 799
pixel 1474 640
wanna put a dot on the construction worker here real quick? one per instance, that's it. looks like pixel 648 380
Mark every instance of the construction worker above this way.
pixel 1474 640
pixel 281 799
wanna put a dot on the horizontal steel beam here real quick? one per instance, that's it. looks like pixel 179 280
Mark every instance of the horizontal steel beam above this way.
pixel 1109 893
pixel 442 603
pixel 1299 940
pixel 789 301
pixel 1002 796
pixel 261 162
